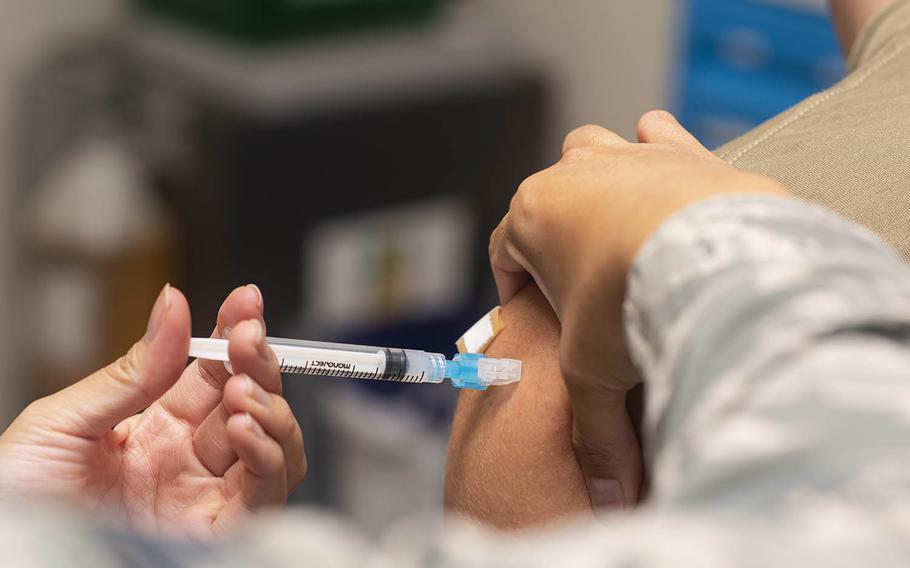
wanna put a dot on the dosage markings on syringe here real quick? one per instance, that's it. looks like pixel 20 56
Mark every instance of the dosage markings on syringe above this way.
pixel 333 369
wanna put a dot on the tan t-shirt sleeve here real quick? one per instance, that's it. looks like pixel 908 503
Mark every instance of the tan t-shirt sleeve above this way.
pixel 890 22
pixel 848 148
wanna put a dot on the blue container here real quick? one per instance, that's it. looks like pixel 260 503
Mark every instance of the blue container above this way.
pixel 744 61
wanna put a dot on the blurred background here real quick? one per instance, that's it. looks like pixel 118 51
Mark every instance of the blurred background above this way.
pixel 348 156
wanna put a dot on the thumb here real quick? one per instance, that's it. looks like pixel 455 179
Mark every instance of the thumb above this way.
pixel 607 450
pixel 661 127
pixel 93 406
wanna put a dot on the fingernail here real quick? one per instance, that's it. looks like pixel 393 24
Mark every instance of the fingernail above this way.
pixel 256 392
pixel 606 493
pixel 226 332
pixel 162 305
pixel 260 330
pixel 253 426
pixel 264 351
pixel 259 301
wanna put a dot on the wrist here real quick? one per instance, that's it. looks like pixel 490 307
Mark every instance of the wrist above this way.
pixel 655 217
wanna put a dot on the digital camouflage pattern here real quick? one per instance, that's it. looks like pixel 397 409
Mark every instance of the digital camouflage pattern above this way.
pixel 775 341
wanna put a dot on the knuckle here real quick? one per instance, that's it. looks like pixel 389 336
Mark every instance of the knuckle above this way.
pixel 656 115
pixel 206 372
pixel 290 437
pixel 575 364
pixel 582 134
pixel 652 120
pixel 599 459
pixel 274 466
pixel 527 210
pixel 607 452
pixel 589 136
pixel 522 213
pixel 527 199
pixel 493 245
pixel 303 469
pixel 577 376
pixel 296 473
pixel 288 428
pixel 127 370
pixel 534 183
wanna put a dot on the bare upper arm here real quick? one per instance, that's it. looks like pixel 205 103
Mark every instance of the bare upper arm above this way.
pixel 511 461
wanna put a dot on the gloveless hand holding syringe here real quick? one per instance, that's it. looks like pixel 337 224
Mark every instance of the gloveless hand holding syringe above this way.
pixel 468 370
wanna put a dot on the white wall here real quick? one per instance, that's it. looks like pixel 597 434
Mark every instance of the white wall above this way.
pixel 28 29
pixel 610 59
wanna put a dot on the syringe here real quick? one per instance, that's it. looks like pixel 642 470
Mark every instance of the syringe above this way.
pixel 469 370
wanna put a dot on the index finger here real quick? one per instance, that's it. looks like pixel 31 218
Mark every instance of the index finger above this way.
pixel 509 274
pixel 200 388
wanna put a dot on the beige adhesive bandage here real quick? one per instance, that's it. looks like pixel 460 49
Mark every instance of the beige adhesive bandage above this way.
pixel 481 334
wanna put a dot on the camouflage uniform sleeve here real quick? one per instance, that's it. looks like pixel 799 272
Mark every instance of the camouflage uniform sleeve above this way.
pixel 773 336
pixel 774 339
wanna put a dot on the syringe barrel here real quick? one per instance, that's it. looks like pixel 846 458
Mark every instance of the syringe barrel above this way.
pixel 358 361
pixel 430 367
pixel 273 341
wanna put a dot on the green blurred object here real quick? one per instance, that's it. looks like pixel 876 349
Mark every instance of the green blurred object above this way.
pixel 268 21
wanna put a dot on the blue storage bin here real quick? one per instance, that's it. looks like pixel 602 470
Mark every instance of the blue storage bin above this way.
pixel 743 61
pixel 749 34
pixel 738 100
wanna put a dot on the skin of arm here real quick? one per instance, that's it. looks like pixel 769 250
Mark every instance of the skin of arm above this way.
pixel 851 15
pixel 511 463
pixel 514 460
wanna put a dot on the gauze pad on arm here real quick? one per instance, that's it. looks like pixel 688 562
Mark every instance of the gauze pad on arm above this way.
pixel 481 334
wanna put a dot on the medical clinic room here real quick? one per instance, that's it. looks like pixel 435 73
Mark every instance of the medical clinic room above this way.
pixel 454 283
